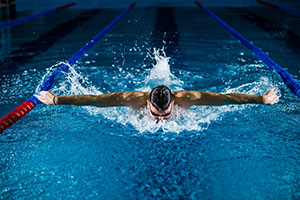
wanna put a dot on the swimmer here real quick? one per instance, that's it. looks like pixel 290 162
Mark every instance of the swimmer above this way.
pixel 160 101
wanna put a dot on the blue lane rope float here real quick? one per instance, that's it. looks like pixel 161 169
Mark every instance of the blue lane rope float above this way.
pixel 23 19
pixel 297 12
pixel 32 102
pixel 288 80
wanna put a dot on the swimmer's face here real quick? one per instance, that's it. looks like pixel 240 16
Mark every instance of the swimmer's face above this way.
pixel 160 115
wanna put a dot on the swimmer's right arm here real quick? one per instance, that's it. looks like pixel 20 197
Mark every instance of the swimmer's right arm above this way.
pixel 188 98
pixel 136 100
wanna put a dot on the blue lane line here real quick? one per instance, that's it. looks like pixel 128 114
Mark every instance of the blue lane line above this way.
pixel 288 80
pixel 48 83
pixel 31 49
pixel 31 103
pixel 23 19
pixel 297 12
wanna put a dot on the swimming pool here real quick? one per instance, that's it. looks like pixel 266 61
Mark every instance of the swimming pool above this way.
pixel 228 152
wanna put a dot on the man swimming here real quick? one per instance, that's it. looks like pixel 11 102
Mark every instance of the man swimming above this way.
pixel 160 101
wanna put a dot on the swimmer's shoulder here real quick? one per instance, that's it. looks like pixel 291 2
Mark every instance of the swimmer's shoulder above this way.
pixel 136 100
pixel 193 94
pixel 136 95
pixel 185 98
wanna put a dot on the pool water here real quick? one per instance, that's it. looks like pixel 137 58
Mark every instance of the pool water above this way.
pixel 227 152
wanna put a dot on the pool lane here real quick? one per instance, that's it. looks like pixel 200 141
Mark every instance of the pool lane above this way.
pixel 230 159
pixel 281 8
pixel 273 27
pixel 166 34
pixel 165 31
pixel 277 49
pixel 26 18
pixel 28 105
pixel 289 81
pixel 29 50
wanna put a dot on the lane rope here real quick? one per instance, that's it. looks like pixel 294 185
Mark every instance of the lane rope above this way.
pixel 23 19
pixel 288 80
pixel 32 102
pixel 291 10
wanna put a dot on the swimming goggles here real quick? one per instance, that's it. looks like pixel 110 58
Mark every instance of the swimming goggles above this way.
pixel 160 115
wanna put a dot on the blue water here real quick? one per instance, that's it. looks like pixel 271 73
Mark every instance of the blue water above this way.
pixel 228 152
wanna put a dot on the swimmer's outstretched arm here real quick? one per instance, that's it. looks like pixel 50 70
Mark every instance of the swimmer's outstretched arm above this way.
pixel 189 98
pixel 135 100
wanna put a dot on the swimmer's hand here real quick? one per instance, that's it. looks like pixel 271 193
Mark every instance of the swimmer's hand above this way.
pixel 47 97
pixel 270 97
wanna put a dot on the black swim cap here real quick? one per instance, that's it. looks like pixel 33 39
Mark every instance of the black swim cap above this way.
pixel 161 97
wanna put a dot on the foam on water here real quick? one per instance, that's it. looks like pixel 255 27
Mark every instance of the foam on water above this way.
pixel 160 74
pixel 198 118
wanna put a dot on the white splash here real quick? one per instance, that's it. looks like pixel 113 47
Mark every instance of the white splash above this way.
pixel 48 73
pixel 161 74
pixel 258 87
pixel 198 118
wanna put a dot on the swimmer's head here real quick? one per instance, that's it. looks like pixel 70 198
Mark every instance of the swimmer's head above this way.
pixel 161 102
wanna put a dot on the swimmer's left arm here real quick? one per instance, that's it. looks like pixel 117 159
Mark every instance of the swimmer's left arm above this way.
pixel 135 100
pixel 189 98
pixel 50 98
